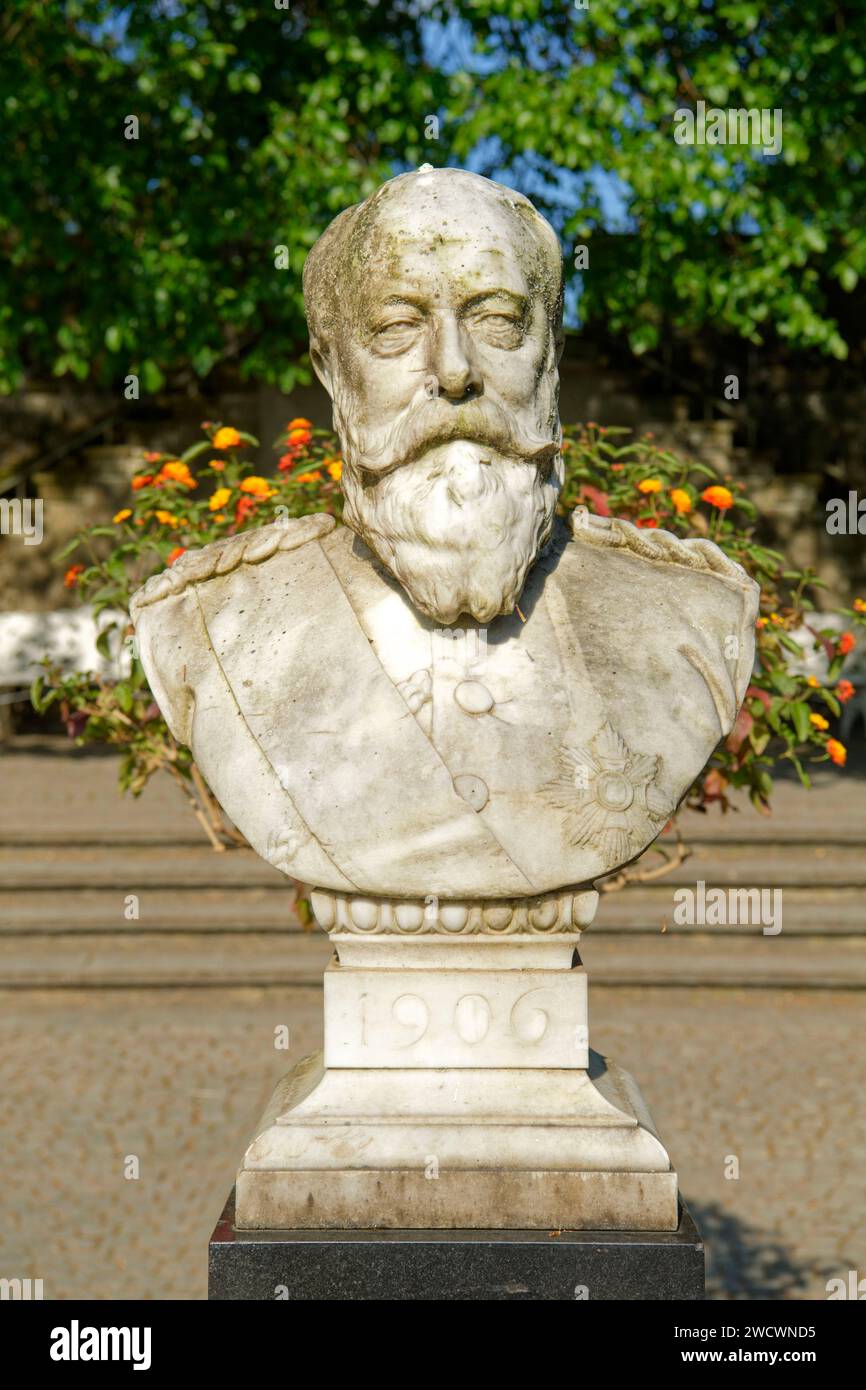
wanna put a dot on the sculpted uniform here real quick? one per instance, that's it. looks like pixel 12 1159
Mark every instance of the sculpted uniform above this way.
pixel 364 750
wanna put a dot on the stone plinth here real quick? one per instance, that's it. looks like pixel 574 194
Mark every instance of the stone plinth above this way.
pixel 444 1266
pixel 456 1087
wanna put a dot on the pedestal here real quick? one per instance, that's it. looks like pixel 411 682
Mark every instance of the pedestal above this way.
pixel 456 1089
pixel 454 1265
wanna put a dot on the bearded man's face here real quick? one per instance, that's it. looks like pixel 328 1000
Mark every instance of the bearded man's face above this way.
pixel 445 398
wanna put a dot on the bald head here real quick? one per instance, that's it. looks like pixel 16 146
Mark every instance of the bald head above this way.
pixel 428 209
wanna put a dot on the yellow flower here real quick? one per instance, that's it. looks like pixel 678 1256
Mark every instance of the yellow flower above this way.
pixel 257 487
pixel 774 618
pixel 166 518
pixel 650 485
pixel 814 682
pixel 226 438
pixel 121 515
pixel 860 605
pixel 219 517
pixel 335 468
pixel 819 721
pixel 219 498
pixel 681 500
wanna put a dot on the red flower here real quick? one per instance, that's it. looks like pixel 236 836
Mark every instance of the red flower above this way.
pixel 844 692
pixel 70 578
pixel 245 508
pixel 646 523
pixel 141 480
pixel 847 643
pixel 175 554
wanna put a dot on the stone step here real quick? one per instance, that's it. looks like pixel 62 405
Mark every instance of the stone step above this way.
pixel 32 868
pixel 758 962
pixel 635 911
pixel 152 960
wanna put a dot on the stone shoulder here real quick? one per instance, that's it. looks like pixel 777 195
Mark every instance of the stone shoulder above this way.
pixel 223 556
pixel 660 546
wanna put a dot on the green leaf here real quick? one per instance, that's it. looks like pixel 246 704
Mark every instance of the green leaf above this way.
pixel 799 711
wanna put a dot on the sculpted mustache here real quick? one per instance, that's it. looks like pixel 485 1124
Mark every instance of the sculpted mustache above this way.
pixel 479 422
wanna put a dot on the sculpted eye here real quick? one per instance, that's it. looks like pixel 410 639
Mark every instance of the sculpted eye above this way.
pixel 396 336
pixel 499 330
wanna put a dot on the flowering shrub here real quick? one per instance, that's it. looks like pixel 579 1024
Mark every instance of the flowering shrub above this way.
pixel 781 718
pixel 174 506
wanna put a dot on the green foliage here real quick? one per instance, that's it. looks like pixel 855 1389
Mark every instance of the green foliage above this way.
pixel 156 255
pixel 257 125
pixel 722 235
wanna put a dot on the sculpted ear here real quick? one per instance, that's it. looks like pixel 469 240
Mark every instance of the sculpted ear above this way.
pixel 321 360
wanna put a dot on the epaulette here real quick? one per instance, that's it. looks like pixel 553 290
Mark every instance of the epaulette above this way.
pixel 221 557
pixel 655 544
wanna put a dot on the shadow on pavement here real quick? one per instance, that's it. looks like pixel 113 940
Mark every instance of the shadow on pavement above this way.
pixel 746 1263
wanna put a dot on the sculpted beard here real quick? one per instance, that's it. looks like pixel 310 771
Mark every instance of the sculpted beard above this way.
pixel 456 501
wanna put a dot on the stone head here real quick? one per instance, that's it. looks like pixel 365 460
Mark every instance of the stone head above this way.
pixel 435 313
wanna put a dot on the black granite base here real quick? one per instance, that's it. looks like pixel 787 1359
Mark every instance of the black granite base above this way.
pixel 447 1265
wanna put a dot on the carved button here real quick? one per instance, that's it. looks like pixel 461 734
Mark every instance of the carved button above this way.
pixel 473 697
pixel 473 790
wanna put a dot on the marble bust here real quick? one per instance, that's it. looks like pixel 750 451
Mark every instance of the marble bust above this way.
pixel 456 698
pixel 456 692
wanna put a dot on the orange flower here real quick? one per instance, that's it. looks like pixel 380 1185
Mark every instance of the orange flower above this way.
pixel 819 721
pixel 774 618
pixel 121 515
pixel 650 485
pixel 219 517
pixel 217 465
pixel 847 643
pixel 176 472
pixel 226 438
pixel 335 468
pixel 718 496
pixel 166 518
pixel 246 506
pixel 219 498
pixel 844 692
pixel 257 487
pixel 860 605
pixel 175 554
pixel 299 423
pixel 151 457
pixel 646 523
pixel 761 622
pixel 681 500
pixel 286 462
pixel 309 477
pixel 70 578
pixel 838 752
pixel 814 682
pixel 298 437
pixel 141 480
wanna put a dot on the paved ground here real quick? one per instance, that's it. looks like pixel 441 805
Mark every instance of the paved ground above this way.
pixel 178 1077
pixel 744 1046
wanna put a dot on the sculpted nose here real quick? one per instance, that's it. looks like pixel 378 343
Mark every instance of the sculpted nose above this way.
pixel 453 361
